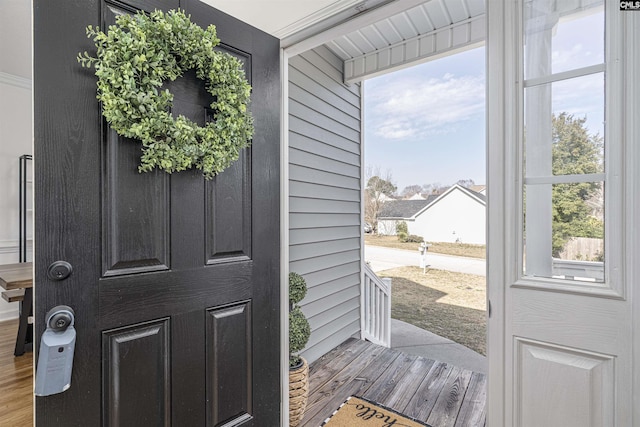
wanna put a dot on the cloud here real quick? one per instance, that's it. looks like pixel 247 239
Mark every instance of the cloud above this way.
pixel 581 97
pixel 576 92
pixel 412 107
pixel 575 56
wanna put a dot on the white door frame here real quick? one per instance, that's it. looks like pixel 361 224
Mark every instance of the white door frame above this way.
pixel 284 236
pixel 288 50
pixel 632 237
pixel 498 92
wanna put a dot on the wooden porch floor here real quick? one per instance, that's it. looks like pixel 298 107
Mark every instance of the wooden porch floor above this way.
pixel 435 392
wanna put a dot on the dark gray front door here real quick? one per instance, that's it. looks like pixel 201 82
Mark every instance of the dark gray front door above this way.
pixel 175 281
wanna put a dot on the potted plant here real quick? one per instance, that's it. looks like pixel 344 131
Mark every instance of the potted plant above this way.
pixel 299 332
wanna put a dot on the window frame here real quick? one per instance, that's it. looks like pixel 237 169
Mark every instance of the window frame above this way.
pixel 613 286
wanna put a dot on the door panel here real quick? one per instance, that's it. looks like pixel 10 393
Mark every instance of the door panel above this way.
pixel 547 375
pixel 176 279
pixel 229 362
pixel 137 375
pixel 135 212
pixel 228 213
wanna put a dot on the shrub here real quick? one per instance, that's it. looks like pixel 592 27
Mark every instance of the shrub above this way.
pixel 297 288
pixel 401 227
pixel 299 329
pixel 414 238
pixel 299 332
pixel 402 236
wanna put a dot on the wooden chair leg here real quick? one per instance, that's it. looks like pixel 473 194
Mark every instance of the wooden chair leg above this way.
pixel 25 331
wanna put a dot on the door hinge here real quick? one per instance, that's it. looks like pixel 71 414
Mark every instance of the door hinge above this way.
pixel 489 307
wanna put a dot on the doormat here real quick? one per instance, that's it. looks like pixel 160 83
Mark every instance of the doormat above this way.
pixel 358 412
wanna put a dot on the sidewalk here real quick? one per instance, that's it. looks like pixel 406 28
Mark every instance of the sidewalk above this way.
pixel 413 340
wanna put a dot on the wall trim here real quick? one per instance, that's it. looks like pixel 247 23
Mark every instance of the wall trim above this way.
pixel 11 314
pixel 10 311
pixel 284 236
pixel 13 246
pixel 316 17
pixel 16 81
pixel 362 208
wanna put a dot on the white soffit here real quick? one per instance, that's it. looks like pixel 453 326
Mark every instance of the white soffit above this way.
pixel 372 37
pixel 433 29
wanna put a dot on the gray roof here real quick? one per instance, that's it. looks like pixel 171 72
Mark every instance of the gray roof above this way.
pixel 478 195
pixel 404 208
pixel 408 208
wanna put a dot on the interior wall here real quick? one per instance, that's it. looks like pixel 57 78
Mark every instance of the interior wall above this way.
pixel 15 125
pixel 324 196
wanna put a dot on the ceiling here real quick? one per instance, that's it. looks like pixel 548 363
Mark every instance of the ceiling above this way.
pixel 361 29
pixel 423 19
pixel 371 36
pixel 282 18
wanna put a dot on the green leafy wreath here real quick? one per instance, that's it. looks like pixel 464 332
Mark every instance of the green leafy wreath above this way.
pixel 133 59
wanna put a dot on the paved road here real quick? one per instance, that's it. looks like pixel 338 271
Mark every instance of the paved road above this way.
pixel 384 258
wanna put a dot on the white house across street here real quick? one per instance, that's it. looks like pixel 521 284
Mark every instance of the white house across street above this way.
pixel 455 216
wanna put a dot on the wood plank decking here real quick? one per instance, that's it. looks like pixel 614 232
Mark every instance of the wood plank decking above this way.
pixel 435 392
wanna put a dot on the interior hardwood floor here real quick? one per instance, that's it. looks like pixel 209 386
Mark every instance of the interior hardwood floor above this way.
pixel 16 380
pixel 439 394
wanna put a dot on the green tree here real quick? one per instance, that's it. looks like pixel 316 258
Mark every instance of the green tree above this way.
pixel 465 182
pixel 574 151
pixel 377 186
pixel 411 190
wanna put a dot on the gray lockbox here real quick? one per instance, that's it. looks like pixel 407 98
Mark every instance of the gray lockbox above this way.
pixel 55 361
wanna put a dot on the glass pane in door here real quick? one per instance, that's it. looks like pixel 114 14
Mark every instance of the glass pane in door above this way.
pixel 562 35
pixel 574 250
pixel 564 127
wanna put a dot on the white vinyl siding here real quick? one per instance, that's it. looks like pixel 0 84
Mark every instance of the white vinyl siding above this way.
pixel 324 196
pixel 456 218
pixel 387 227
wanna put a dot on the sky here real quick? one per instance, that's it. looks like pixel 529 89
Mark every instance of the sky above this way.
pixel 426 124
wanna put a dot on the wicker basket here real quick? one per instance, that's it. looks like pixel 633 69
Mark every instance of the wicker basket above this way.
pixel 298 393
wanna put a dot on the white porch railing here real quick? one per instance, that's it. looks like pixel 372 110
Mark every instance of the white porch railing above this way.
pixel 578 270
pixel 376 325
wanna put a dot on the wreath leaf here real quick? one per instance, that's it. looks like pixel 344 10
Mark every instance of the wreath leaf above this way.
pixel 134 58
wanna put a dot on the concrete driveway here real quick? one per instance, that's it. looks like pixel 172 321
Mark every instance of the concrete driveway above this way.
pixel 381 258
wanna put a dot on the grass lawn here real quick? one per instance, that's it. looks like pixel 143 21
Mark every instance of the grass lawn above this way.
pixel 458 249
pixel 452 305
